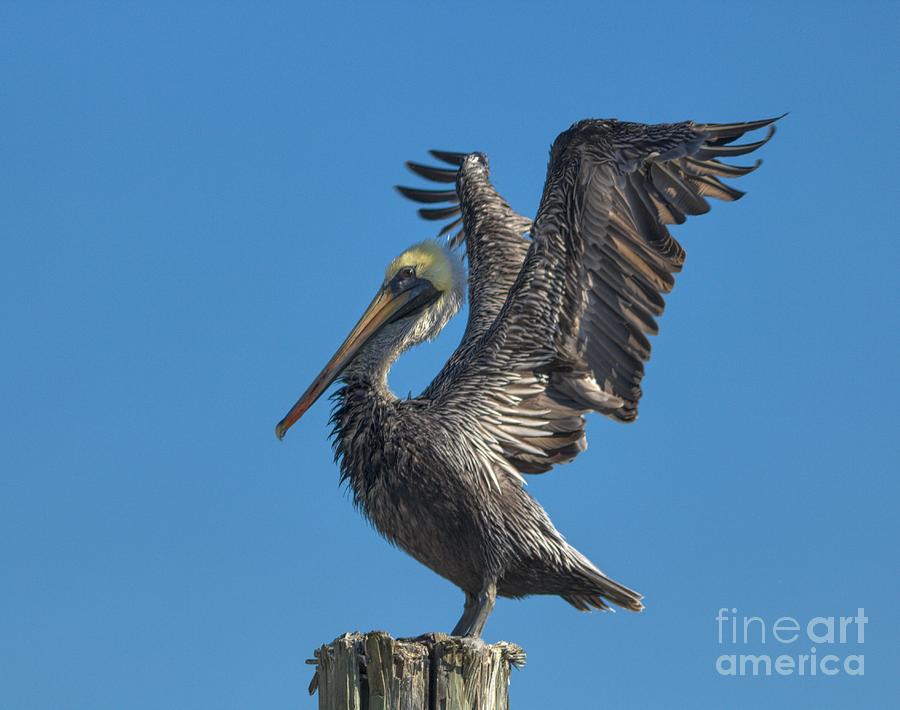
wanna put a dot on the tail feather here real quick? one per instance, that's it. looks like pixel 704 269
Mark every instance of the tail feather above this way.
pixel 593 590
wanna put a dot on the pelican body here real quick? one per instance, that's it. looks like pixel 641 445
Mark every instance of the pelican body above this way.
pixel 560 310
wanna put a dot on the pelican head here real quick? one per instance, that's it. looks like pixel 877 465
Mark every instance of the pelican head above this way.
pixel 423 288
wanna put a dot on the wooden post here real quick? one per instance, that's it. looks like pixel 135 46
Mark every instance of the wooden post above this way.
pixel 374 671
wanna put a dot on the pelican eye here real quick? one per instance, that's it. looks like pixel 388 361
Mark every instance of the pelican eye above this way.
pixel 407 272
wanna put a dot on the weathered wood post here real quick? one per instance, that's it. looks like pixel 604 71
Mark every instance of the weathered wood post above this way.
pixel 374 671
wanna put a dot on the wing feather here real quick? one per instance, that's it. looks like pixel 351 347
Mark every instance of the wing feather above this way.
pixel 493 234
pixel 571 335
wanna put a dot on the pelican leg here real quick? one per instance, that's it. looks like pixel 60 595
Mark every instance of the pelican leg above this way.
pixel 465 621
pixel 476 612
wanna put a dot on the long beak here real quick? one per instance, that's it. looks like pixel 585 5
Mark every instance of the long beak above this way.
pixel 387 306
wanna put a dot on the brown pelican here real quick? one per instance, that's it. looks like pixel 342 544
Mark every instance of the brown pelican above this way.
pixel 560 311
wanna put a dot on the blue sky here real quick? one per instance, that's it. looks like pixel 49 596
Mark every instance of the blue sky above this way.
pixel 196 204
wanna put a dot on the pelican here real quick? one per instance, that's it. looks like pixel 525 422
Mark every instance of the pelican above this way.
pixel 560 308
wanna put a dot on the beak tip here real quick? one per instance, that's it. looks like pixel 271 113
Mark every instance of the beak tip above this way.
pixel 280 431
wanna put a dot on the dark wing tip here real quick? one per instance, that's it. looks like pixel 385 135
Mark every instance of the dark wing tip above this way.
pixel 447 195
pixel 432 173
pixel 427 196
pixel 434 214
pixel 742 126
pixel 719 148
pixel 448 156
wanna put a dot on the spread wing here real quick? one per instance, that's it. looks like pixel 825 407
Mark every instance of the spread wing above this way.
pixel 493 233
pixel 571 336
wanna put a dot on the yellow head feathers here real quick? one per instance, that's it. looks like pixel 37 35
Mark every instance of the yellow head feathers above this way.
pixel 431 261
